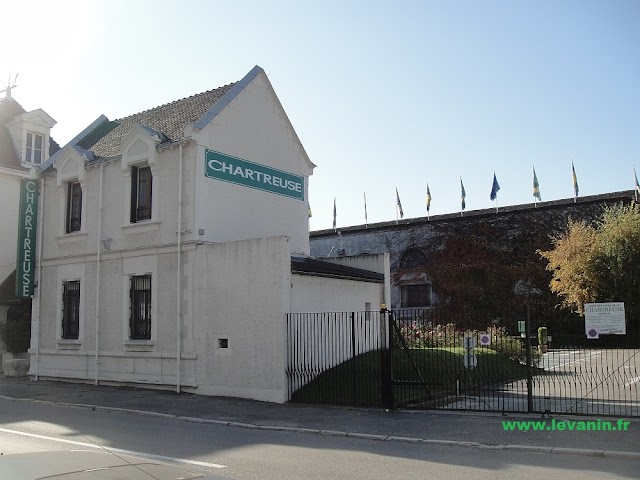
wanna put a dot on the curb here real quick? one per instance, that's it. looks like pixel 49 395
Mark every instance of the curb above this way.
pixel 335 433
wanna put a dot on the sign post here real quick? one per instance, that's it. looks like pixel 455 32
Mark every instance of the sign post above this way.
pixel 27 222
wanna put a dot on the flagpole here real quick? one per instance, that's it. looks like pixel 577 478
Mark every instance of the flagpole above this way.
pixel 366 220
pixel 496 204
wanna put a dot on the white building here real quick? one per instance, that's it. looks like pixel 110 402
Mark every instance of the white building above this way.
pixel 176 241
pixel 25 141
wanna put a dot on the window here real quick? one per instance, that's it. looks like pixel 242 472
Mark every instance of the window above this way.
pixel 141 183
pixel 140 319
pixel 416 295
pixel 74 207
pixel 34 148
pixel 70 310
pixel 413 258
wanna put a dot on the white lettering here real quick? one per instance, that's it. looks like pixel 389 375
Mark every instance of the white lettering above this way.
pixel 258 175
pixel 26 268
pixel 31 186
pixel 28 229
pixel 27 255
pixel 29 210
pixel 27 244
pixel 227 168
pixel 25 289
pixel 27 222
pixel 291 185
pixel 239 171
pixel 298 187
pixel 215 163
pixel 267 178
pixel 30 197
pixel 276 182
pixel 249 173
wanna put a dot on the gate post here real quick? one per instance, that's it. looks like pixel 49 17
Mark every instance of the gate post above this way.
pixel 527 329
pixel 386 329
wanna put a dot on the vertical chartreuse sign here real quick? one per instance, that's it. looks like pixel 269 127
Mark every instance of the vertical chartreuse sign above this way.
pixel 27 223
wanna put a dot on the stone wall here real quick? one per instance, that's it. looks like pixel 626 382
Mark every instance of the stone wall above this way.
pixel 483 255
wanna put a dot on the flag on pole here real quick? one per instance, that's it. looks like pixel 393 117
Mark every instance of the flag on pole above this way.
pixel 428 198
pixel 463 195
pixel 399 204
pixel 536 186
pixel 366 220
pixel 576 190
pixel 494 188
pixel 334 213
pixel 635 177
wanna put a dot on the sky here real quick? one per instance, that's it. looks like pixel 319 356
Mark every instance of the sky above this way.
pixel 383 95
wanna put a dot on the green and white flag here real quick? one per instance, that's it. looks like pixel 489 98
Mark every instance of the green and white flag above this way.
pixel 536 186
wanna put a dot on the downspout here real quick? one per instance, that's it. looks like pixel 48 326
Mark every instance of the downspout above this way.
pixel 179 278
pixel 39 278
pixel 98 258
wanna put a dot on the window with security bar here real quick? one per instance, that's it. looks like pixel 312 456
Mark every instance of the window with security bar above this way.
pixel 70 310
pixel 74 207
pixel 140 321
pixel 415 295
pixel 141 190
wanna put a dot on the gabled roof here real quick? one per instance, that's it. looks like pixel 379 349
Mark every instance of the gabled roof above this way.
pixel 169 119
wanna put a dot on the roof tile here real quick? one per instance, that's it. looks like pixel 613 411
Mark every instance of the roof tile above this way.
pixel 170 119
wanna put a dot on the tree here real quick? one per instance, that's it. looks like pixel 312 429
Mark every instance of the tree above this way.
pixel 598 263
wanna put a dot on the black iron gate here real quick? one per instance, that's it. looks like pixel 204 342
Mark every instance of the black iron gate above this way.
pixel 443 358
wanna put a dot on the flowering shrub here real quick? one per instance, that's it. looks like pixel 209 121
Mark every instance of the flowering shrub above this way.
pixel 418 335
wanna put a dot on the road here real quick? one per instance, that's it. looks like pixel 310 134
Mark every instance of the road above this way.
pixel 241 453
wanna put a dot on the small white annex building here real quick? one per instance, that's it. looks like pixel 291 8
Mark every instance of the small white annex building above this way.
pixel 174 243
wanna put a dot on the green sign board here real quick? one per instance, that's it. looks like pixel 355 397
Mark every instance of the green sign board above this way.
pixel 27 238
pixel 243 172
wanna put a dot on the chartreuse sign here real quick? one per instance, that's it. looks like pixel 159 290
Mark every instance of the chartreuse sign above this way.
pixel 27 238
pixel 243 172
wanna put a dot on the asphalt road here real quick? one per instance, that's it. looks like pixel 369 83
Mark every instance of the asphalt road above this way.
pixel 240 453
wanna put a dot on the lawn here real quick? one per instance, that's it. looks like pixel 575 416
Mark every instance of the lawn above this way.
pixel 426 377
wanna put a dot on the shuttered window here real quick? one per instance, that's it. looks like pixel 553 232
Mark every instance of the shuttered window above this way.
pixel 70 310
pixel 140 320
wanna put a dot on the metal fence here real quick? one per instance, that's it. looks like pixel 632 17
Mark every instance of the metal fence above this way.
pixel 447 358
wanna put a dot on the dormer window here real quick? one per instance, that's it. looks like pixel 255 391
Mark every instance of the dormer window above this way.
pixel 35 143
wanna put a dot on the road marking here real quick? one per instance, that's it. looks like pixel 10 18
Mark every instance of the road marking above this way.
pixel 632 381
pixel 116 450
pixel 578 360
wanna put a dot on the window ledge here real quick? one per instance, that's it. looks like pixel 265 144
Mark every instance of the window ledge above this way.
pixel 69 343
pixel 72 237
pixel 143 344
pixel 141 227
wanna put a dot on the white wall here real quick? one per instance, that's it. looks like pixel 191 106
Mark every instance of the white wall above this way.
pixel 375 262
pixel 255 128
pixel 240 293
pixel 323 294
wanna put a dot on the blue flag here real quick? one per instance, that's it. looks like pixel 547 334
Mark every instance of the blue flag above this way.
pixel 494 188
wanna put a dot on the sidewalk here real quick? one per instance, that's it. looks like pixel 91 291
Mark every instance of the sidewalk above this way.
pixel 462 428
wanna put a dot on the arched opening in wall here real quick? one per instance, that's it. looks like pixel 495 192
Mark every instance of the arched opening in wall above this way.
pixel 412 258
pixel 415 289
